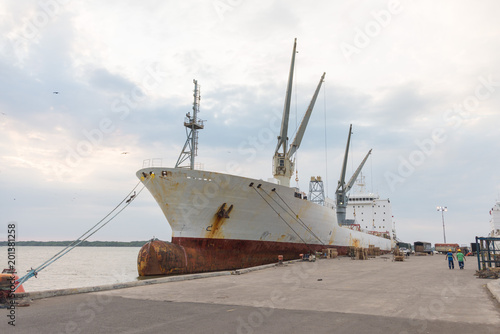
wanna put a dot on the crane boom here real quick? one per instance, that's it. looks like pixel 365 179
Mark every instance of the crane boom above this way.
pixel 302 128
pixel 343 188
pixel 283 137
pixel 356 173
pixel 344 165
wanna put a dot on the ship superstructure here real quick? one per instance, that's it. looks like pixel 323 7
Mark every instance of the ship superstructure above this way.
pixel 495 220
pixel 495 223
pixel 366 211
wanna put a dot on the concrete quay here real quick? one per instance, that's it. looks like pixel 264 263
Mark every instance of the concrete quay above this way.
pixel 419 295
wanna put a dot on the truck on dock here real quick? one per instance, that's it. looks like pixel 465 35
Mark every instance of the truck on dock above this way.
pixel 444 248
pixel 423 247
pixel 406 245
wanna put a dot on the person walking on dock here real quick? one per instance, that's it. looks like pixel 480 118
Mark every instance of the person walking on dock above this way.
pixel 460 259
pixel 450 258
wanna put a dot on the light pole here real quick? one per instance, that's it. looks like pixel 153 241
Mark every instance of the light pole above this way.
pixel 443 209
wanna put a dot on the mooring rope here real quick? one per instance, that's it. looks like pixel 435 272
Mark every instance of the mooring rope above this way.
pixel 305 243
pixel 295 216
pixel 128 199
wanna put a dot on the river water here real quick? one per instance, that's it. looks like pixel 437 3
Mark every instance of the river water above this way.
pixel 82 267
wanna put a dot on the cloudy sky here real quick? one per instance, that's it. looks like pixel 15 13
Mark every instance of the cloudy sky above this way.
pixel 419 81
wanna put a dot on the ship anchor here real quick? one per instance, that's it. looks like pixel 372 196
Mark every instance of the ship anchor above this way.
pixel 222 213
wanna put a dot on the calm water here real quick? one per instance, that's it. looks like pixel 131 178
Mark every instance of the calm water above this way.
pixel 82 267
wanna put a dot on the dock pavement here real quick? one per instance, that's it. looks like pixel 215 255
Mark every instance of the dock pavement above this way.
pixel 378 295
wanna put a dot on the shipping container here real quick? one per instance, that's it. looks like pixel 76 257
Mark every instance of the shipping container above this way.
pixel 423 247
pixel 444 248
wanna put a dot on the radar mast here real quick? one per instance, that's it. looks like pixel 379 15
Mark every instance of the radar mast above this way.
pixel 192 124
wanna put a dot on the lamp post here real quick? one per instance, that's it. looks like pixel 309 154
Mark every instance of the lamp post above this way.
pixel 443 209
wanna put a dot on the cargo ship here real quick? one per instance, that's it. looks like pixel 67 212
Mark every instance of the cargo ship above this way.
pixel 221 221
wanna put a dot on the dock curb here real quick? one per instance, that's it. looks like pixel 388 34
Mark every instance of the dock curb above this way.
pixel 265 266
pixel 71 291
pixel 494 287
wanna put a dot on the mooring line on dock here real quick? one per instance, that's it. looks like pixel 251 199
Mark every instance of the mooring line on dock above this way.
pixel 305 243
pixel 129 198
pixel 295 216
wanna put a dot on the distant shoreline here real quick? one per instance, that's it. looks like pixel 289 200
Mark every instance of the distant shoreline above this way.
pixel 83 244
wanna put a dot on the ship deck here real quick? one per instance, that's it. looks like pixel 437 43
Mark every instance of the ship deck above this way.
pixel 420 295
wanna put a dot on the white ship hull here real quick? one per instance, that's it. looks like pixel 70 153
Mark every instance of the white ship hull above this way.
pixel 207 208
pixel 190 199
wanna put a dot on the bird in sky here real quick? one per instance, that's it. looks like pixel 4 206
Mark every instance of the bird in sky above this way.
pixel 55 92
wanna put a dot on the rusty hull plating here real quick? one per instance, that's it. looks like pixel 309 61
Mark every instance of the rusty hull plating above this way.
pixel 195 255
pixel 161 258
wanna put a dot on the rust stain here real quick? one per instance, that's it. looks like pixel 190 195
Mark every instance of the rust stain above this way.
pixel 282 237
pixel 354 242
pixel 332 237
pixel 332 233
pixel 214 230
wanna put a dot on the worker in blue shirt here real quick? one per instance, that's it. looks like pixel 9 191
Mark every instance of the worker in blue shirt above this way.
pixel 450 258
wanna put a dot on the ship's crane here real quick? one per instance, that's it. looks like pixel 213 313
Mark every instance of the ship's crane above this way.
pixel 343 188
pixel 283 166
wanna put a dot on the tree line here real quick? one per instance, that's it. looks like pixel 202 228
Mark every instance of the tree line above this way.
pixel 83 244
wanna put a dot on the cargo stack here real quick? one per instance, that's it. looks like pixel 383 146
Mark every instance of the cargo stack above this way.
pixel 361 253
pixel 371 250
pixel 331 253
pixel 352 252
pixel 398 255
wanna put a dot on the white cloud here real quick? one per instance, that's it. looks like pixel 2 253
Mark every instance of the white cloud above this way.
pixel 396 91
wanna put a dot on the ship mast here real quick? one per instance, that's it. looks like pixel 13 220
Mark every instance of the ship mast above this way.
pixel 343 188
pixel 192 124
pixel 283 165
